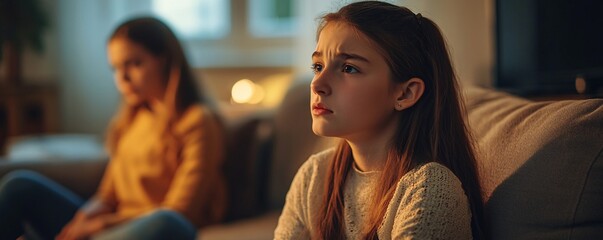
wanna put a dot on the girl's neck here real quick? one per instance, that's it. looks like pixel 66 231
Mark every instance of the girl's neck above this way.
pixel 370 150
pixel 368 157
pixel 158 108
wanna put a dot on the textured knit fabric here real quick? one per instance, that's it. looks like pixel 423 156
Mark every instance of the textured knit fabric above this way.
pixel 139 178
pixel 428 203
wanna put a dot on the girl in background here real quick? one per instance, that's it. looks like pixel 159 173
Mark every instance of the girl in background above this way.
pixel 164 179
pixel 405 168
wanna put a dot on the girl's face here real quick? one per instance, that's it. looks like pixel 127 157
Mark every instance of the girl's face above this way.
pixel 139 75
pixel 352 95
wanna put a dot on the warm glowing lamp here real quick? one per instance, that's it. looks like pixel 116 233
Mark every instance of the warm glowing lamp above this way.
pixel 245 91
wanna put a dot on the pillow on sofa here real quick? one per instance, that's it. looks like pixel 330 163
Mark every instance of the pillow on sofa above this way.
pixel 245 161
pixel 540 164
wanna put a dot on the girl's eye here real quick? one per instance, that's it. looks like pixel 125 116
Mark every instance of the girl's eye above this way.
pixel 316 68
pixel 349 69
pixel 136 62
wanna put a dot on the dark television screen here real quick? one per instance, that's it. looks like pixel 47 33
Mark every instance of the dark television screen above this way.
pixel 544 45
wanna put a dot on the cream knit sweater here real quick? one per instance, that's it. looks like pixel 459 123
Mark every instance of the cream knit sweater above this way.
pixel 428 203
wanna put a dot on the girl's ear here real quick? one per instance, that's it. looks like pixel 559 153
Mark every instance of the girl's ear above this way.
pixel 408 93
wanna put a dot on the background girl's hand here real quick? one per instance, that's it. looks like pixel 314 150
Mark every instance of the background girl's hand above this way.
pixel 81 228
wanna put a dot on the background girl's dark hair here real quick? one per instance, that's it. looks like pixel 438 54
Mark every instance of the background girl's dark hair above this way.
pixel 181 87
pixel 433 130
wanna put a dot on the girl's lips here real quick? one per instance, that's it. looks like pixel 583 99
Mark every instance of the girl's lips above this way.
pixel 319 109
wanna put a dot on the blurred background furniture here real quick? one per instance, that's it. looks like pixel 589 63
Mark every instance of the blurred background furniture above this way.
pixel 55 147
pixel 27 109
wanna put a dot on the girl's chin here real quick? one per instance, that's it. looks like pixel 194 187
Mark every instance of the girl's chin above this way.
pixel 324 132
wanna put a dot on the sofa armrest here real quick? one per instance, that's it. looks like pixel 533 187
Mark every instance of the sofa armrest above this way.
pixel 540 165
pixel 80 176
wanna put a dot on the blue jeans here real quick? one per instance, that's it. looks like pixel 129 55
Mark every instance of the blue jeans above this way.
pixel 160 224
pixel 30 199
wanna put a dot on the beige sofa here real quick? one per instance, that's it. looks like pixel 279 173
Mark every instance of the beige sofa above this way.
pixel 541 165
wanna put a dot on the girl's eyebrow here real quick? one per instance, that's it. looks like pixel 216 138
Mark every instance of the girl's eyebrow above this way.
pixel 345 56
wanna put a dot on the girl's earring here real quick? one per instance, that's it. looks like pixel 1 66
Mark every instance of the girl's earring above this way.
pixel 398 106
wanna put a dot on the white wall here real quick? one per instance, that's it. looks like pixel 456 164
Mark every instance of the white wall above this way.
pixel 88 95
pixel 468 26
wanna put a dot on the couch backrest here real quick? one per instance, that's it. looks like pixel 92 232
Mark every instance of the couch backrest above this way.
pixel 541 165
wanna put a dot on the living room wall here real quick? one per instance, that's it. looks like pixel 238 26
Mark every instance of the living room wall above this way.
pixel 468 26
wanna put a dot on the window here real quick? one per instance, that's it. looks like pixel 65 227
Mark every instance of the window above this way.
pixel 221 33
pixel 271 18
pixel 195 19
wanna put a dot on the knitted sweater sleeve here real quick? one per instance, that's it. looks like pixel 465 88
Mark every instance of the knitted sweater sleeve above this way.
pixel 293 222
pixel 432 206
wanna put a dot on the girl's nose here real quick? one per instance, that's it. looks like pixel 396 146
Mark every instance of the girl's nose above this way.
pixel 319 85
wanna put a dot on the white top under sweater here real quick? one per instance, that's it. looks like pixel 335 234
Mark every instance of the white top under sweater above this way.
pixel 429 203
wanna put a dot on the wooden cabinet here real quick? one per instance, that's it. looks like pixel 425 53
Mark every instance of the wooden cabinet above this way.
pixel 26 110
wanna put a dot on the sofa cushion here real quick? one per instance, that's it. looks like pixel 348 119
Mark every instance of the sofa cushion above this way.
pixel 55 147
pixel 258 228
pixel 245 164
pixel 540 164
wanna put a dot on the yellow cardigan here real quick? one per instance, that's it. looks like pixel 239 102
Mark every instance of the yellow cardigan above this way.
pixel 139 179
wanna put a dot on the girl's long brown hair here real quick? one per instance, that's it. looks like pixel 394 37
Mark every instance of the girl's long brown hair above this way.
pixel 181 88
pixel 433 130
